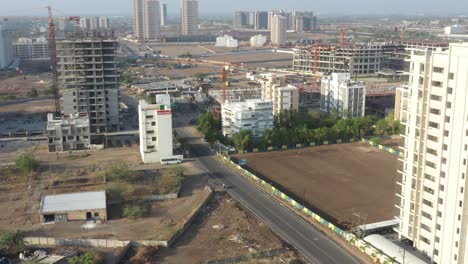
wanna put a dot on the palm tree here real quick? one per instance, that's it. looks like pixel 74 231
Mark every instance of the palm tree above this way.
pixel 13 242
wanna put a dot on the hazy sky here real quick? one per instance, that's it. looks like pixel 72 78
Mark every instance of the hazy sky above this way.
pixel 82 7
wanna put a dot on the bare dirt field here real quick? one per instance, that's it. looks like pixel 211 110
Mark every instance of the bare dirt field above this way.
pixel 222 231
pixel 338 181
pixel 20 85
pixel 254 58
pixel 187 73
pixel 20 195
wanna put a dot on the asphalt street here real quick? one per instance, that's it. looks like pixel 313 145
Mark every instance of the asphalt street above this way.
pixel 312 243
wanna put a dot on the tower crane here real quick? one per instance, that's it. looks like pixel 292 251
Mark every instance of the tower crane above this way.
pixel 53 60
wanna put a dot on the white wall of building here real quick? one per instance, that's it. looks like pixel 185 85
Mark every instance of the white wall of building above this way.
pixel 339 92
pixel 155 124
pixel 254 115
pixel 227 41
pixel 454 30
pixel 258 41
pixel 432 188
pixel 279 26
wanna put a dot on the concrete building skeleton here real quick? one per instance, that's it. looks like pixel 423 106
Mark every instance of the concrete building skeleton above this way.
pixel 88 73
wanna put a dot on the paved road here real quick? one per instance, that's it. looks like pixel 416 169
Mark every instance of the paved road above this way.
pixel 314 245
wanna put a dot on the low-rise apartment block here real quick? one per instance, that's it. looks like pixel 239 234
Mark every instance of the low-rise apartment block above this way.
pixel 339 92
pixel 68 133
pixel 255 115
pixel 32 49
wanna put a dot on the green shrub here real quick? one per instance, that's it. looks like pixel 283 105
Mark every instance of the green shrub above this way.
pixel 136 211
pixel 12 242
pixel 27 163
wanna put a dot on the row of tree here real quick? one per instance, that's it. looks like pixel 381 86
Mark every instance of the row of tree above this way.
pixel 302 128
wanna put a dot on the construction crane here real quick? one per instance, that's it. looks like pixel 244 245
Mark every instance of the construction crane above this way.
pixel 342 36
pixel 224 80
pixel 53 60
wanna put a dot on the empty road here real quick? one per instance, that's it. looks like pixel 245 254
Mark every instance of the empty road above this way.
pixel 312 243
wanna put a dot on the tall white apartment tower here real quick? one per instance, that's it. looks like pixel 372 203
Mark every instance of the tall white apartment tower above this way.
pixel 138 19
pixel 163 9
pixel 151 19
pixel 432 194
pixel 279 25
pixel 189 17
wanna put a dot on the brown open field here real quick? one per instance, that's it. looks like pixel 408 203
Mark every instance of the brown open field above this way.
pixel 222 231
pixel 337 181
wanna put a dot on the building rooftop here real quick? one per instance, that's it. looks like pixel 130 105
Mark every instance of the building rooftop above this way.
pixel 78 120
pixel 73 202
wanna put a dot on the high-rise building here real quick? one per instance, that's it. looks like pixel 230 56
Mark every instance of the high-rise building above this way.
pixel 103 22
pixel 151 19
pixel 88 74
pixel 163 9
pixel 432 188
pixel 85 23
pixel 155 123
pixel 6 48
pixel 241 19
pixel 189 17
pixel 94 23
pixel 340 93
pixel 138 31
pixel 278 30
pixel 261 20
pixel 147 19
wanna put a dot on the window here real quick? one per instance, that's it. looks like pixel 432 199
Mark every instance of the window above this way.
pixel 440 200
pixel 451 75
pixel 442 187
pixel 436 84
pixel 428 190
pixel 153 123
pixel 438 227
pixel 450 90
pixel 436 252
pixel 426 202
pixel 428 216
pixel 430 164
pixel 439 214
pixel 461 189
pixel 447 119
pixel 425 227
pixel 442 174
pixel 429 177
pixel 153 139
pixel 150 132
pixel 432 138
pixel 436 97
pixel 433 125
pixel 448 105
pixel 149 116
pixel 425 240
pixel 444 161
pixel 444 147
pixel 438 69
pixel 434 111
pixel 150 147
pixel 431 151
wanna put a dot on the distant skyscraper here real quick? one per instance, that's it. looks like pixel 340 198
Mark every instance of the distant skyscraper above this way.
pixel 432 195
pixel 138 19
pixel 85 23
pixel 94 23
pixel 147 19
pixel 241 19
pixel 163 14
pixel 279 25
pixel 104 22
pixel 261 20
pixel 189 17
pixel 6 48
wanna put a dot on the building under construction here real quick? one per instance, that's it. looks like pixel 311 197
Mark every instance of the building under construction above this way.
pixel 357 59
pixel 88 73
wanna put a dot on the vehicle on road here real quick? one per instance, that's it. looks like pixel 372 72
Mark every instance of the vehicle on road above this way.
pixel 172 160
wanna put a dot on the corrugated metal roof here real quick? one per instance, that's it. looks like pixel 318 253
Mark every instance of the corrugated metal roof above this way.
pixel 73 202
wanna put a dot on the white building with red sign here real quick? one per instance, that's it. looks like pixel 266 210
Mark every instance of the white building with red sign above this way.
pixel 155 122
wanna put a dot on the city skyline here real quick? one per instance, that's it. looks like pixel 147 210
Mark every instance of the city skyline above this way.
pixel 124 7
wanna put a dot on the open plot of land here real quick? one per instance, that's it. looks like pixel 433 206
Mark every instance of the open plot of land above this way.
pixel 338 181
pixel 253 58
pixel 20 85
pixel 223 230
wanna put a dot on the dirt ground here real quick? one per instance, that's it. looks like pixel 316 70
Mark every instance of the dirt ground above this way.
pixel 46 105
pixel 338 181
pixel 190 71
pixel 222 231
pixel 393 142
pixel 19 85
pixel 20 195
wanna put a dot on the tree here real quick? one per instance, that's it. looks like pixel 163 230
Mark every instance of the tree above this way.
pixel 243 139
pixel 13 242
pixel 33 93
pixel 86 258
pixel 126 79
pixel 118 171
pixel 198 76
pixel 186 55
pixel 135 211
pixel 26 163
